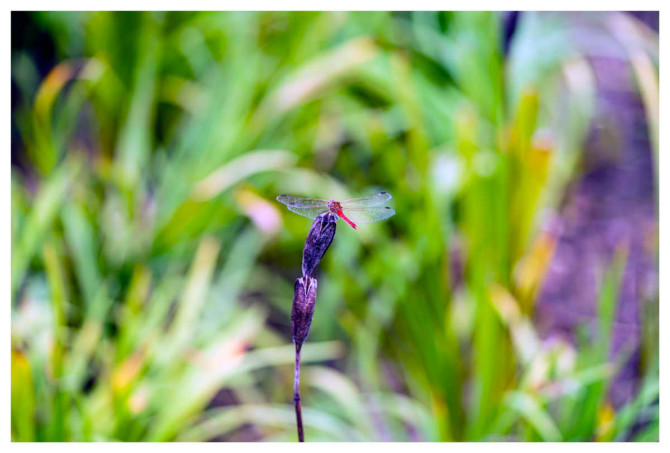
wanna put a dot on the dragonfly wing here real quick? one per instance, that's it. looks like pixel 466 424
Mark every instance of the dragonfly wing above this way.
pixel 361 216
pixel 302 202
pixel 311 212
pixel 378 199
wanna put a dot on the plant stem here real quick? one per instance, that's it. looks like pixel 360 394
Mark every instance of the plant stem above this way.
pixel 296 395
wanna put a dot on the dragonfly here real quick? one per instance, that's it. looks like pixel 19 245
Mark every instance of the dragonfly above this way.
pixel 355 211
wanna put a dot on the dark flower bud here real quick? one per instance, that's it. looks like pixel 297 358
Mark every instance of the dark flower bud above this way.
pixel 318 240
pixel 304 299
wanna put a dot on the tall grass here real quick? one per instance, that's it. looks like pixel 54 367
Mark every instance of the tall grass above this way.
pixel 151 266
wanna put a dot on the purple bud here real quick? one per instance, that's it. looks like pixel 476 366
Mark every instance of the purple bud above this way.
pixel 318 240
pixel 304 299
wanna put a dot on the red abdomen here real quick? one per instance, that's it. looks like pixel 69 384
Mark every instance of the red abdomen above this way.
pixel 341 214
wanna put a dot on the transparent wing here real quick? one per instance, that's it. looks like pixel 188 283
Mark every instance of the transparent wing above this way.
pixel 361 216
pixel 302 202
pixel 307 211
pixel 378 199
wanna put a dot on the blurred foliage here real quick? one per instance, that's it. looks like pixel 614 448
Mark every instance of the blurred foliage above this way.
pixel 152 269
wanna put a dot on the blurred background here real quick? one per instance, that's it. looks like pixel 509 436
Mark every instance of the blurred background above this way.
pixel 514 295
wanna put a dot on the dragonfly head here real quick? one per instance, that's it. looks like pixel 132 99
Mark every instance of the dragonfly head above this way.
pixel 334 206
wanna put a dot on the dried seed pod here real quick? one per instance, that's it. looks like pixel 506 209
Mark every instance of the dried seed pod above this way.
pixel 304 299
pixel 318 240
